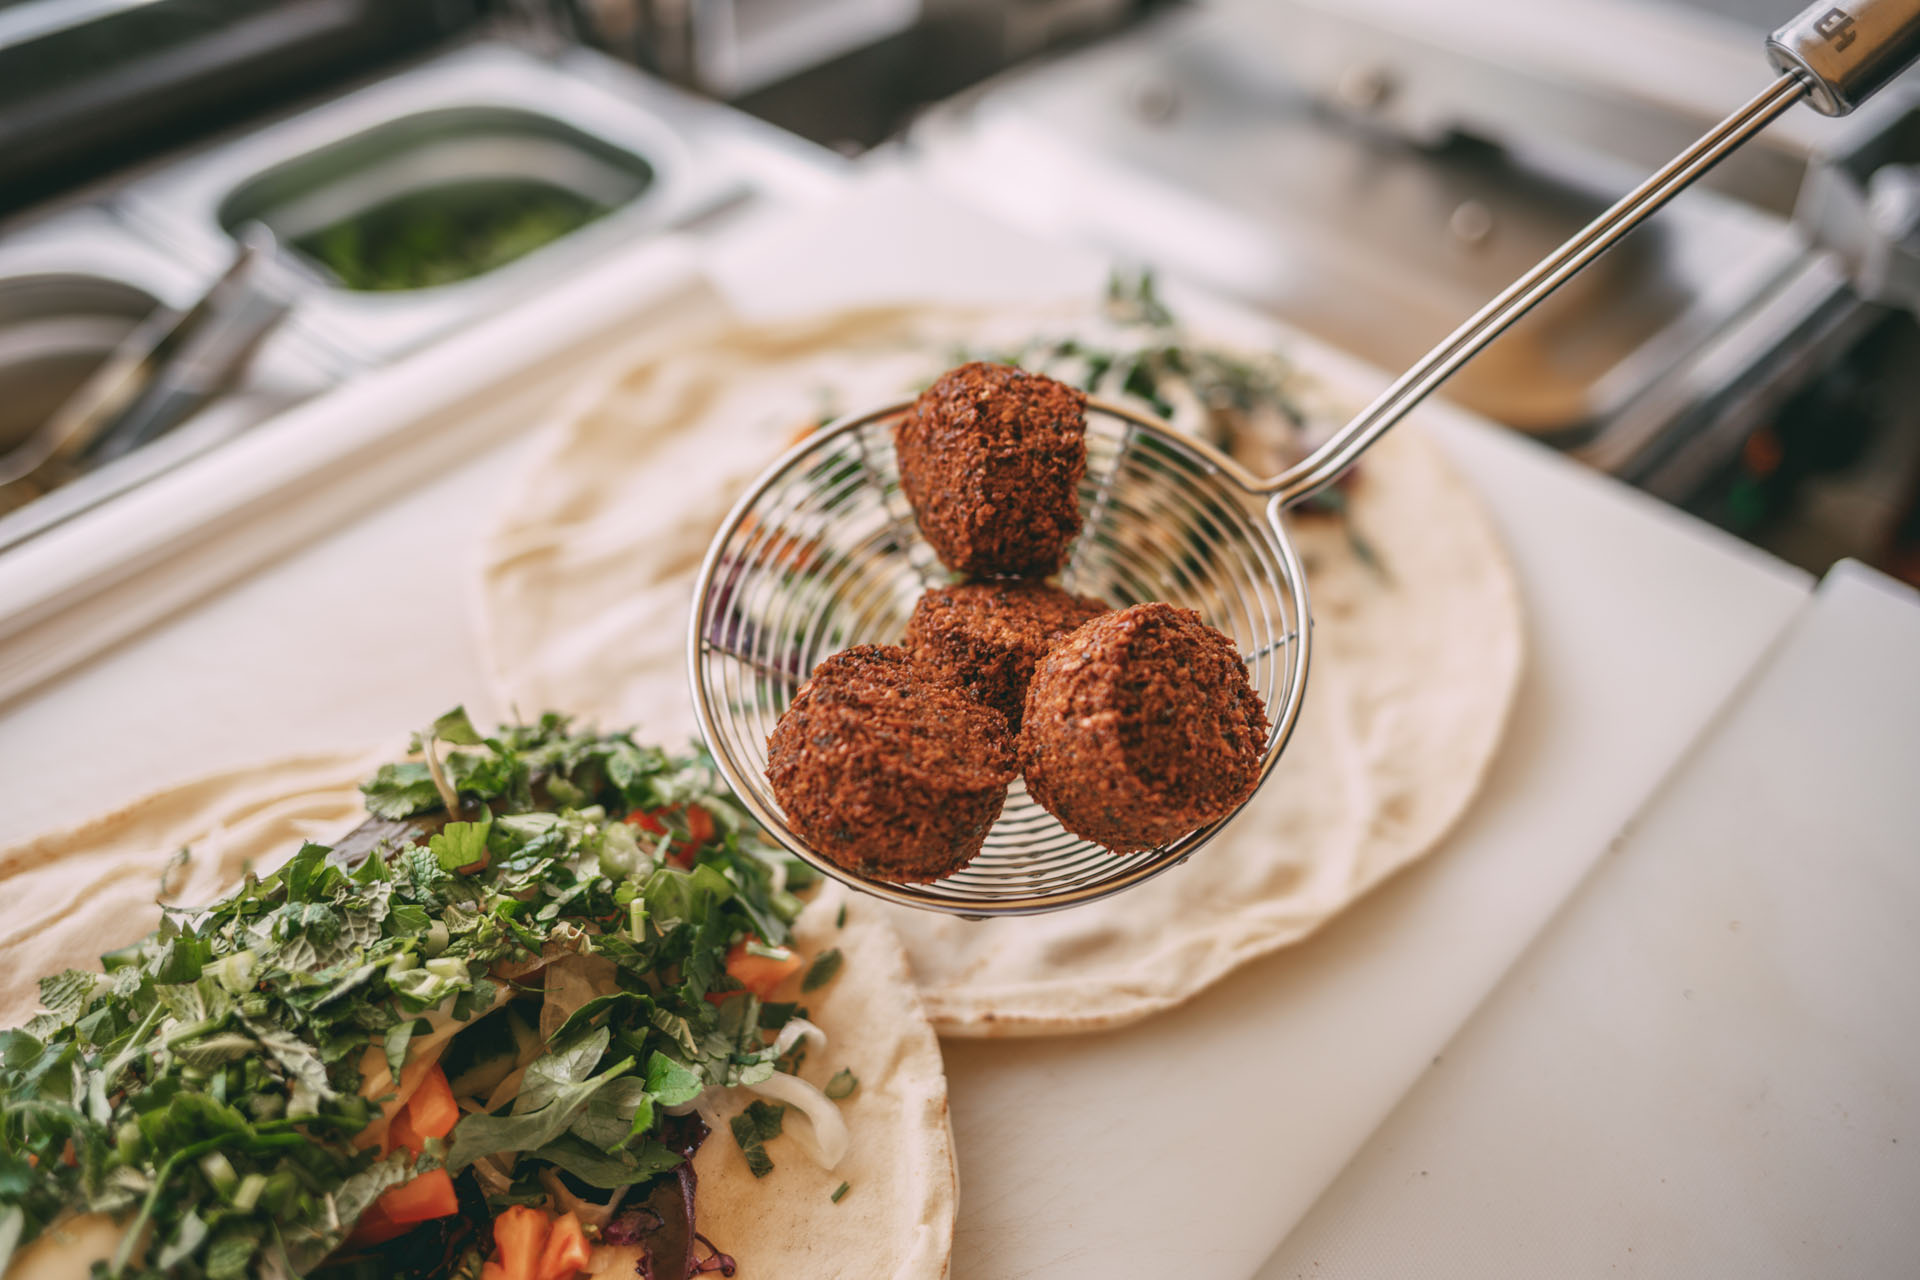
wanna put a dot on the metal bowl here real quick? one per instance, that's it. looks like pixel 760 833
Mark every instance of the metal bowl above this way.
pixel 441 166
pixel 487 117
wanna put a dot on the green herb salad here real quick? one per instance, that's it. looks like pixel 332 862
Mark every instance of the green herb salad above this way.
pixel 478 1037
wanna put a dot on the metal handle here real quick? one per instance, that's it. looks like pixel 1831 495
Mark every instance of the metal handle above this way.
pixel 1884 40
pixel 1844 53
pixel 172 362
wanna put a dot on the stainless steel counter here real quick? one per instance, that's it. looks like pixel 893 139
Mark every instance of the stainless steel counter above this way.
pixel 483 120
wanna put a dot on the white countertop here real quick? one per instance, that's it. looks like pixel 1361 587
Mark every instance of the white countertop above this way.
pixel 1709 1065
pixel 1194 1140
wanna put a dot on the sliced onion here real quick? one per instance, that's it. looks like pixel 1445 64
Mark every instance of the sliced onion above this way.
pixel 828 1140
pixel 590 1212
pixel 569 982
pixel 494 1173
pixel 798 1029
pixel 531 1048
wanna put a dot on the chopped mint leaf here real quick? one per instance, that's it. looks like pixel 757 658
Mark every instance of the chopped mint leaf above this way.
pixel 839 1192
pixel 65 993
pixel 752 1129
pixel 767 1118
pixel 746 1136
pixel 621 1111
pixel 456 728
pixel 671 1084
pixel 822 970
pixel 460 844
pixel 842 1085
pixel 550 1074
pixel 607 1170
pixel 396 1044
pixel 529 1127
pixel 400 791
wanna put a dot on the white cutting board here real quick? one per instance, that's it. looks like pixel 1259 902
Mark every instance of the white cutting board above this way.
pixel 1186 1145
pixel 1710 1064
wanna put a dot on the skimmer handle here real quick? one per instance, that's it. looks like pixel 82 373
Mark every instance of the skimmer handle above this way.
pixel 1833 55
pixel 1844 53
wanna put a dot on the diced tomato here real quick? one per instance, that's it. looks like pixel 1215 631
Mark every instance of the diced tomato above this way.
pixel 430 1113
pixel 519 1234
pixel 400 1209
pixel 374 1228
pixel 700 830
pixel 429 1195
pixel 432 1110
pixel 567 1252
pixel 401 1134
pixel 700 825
pixel 644 819
pixel 759 974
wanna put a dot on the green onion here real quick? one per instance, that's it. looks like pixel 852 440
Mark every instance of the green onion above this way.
pixel 248 1194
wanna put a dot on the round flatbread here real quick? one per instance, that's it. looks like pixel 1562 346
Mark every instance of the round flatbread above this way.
pixel 896 1217
pixel 99 885
pixel 1418 640
pixel 99 882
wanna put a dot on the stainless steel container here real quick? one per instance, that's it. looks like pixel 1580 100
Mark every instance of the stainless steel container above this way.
pixel 490 118
pixel 71 289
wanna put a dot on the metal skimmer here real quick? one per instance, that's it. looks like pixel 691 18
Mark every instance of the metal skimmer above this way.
pixel 823 552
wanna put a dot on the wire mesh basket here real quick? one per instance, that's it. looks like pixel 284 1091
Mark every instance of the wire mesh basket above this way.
pixel 823 553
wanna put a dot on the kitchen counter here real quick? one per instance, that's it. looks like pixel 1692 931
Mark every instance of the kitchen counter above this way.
pixel 1710 1062
pixel 1196 1139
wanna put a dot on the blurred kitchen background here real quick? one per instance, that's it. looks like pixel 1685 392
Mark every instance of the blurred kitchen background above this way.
pixel 211 210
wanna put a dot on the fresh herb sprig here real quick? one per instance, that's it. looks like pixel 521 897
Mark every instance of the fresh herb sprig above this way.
pixel 208 1084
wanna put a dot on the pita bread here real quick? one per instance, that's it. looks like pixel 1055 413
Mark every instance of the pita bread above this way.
pixel 586 592
pixel 896 1219
pixel 99 885
pixel 894 1223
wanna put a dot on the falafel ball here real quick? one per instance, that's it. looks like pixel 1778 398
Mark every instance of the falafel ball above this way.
pixel 888 768
pixel 989 635
pixel 990 459
pixel 1140 727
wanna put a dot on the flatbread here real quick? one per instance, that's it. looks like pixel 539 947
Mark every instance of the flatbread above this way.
pixel 896 1219
pixel 99 885
pixel 99 882
pixel 586 590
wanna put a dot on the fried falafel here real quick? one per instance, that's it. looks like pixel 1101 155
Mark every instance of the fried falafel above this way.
pixel 989 635
pixel 990 460
pixel 1140 727
pixel 889 768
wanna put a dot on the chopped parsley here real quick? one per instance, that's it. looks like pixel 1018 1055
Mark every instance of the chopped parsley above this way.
pixel 822 970
pixel 208 1084
pixel 752 1129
